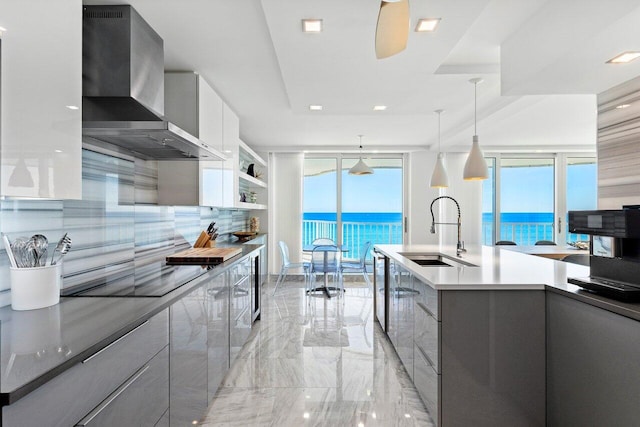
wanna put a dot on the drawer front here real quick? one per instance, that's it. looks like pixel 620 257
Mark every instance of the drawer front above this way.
pixel 140 401
pixel 428 297
pixel 67 398
pixel 426 381
pixel 426 335
pixel 240 271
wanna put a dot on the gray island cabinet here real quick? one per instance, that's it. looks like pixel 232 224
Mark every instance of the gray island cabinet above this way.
pixel 475 354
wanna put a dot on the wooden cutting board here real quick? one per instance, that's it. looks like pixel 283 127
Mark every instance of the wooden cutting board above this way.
pixel 203 256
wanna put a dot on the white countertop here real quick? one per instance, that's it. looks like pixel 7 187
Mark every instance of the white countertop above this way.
pixel 496 268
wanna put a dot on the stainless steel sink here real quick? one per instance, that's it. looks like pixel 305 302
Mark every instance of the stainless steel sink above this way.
pixel 436 260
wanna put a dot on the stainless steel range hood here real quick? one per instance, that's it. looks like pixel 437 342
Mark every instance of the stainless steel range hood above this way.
pixel 123 88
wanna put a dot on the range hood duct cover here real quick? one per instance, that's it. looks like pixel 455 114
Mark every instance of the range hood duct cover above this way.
pixel 123 87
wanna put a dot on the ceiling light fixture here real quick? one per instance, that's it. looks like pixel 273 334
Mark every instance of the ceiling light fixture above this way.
pixel 427 25
pixel 315 107
pixel 392 30
pixel 361 167
pixel 475 167
pixel 72 107
pixel 312 25
pixel 623 106
pixel 379 107
pixel 439 178
pixel 624 58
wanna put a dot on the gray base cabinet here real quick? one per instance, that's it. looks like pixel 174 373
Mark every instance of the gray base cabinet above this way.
pixel 240 307
pixel 476 357
pixel 209 326
pixel 139 401
pixel 218 332
pixel 189 358
pixel 115 380
pixel 593 368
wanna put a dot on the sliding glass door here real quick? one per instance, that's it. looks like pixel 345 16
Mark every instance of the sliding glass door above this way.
pixel 353 209
pixel 526 198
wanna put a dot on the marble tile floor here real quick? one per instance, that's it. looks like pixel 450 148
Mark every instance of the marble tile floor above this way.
pixel 313 361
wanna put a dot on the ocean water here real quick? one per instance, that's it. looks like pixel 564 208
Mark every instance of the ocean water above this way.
pixel 525 228
pixel 357 229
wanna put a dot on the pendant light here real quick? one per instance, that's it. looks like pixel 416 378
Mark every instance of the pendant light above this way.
pixel 476 166
pixel 361 167
pixel 439 178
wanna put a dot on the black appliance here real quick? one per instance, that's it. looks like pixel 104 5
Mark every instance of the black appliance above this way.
pixel 614 249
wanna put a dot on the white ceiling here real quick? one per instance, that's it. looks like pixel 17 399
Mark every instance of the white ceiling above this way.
pixel 542 62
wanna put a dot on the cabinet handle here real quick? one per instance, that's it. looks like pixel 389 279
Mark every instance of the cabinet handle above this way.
pixel 115 342
pixel 424 307
pixel 426 358
pixel 113 396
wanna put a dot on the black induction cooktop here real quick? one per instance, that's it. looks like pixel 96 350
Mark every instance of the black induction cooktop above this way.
pixel 151 280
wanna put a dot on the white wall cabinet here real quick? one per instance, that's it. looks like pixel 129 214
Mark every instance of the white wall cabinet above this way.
pixel 193 105
pixel 41 92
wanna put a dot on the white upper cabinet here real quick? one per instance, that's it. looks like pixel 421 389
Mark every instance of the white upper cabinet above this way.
pixel 191 104
pixel 41 93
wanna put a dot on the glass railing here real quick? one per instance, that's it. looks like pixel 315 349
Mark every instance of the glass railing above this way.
pixel 354 234
pixel 527 233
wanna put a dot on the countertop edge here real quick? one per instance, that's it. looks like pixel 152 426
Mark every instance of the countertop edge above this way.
pixel 622 308
pixel 10 397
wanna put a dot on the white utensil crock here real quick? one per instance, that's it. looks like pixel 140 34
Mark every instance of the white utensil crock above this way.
pixel 36 287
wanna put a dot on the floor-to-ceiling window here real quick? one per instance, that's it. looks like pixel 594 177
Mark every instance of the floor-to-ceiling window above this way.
pixel 527 198
pixel 353 209
pixel 581 195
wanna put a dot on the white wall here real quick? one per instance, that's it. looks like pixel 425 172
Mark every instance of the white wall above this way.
pixel 467 193
pixel 285 206
pixel 419 197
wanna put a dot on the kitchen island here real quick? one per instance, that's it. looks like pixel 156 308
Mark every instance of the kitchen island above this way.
pixel 485 336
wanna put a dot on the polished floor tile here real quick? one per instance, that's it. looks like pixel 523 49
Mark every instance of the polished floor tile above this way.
pixel 313 361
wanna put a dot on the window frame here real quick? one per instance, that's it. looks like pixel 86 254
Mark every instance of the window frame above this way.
pixel 560 161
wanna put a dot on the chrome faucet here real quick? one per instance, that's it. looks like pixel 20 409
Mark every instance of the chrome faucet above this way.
pixel 460 246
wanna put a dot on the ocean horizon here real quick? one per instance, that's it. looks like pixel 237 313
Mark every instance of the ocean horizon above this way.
pixel 525 228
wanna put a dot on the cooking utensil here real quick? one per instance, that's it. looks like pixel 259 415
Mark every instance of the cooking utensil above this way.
pixel 210 229
pixel 9 250
pixel 39 245
pixel 22 255
pixel 63 246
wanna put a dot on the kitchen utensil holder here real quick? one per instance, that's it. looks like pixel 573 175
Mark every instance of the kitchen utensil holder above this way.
pixel 36 287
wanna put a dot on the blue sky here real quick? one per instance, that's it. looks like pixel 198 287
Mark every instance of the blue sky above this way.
pixel 523 190
pixel 531 189
pixel 380 192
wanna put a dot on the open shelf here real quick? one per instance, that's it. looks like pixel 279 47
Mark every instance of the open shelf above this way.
pixel 253 181
pixel 246 205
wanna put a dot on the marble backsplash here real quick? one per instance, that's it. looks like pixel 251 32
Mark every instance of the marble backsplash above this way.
pixel 115 226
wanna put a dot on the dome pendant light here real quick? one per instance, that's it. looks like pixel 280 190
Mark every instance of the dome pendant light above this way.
pixel 476 166
pixel 361 167
pixel 439 178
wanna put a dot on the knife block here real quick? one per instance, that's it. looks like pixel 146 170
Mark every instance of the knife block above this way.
pixel 204 241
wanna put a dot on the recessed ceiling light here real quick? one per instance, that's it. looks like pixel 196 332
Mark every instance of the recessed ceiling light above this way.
pixel 312 25
pixel 379 107
pixel 427 24
pixel 624 58
pixel 315 107
pixel 621 106
pixel 73 107
pixel 58 151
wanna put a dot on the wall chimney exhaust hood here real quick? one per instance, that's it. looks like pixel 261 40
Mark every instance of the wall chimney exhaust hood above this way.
pixel 123 88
